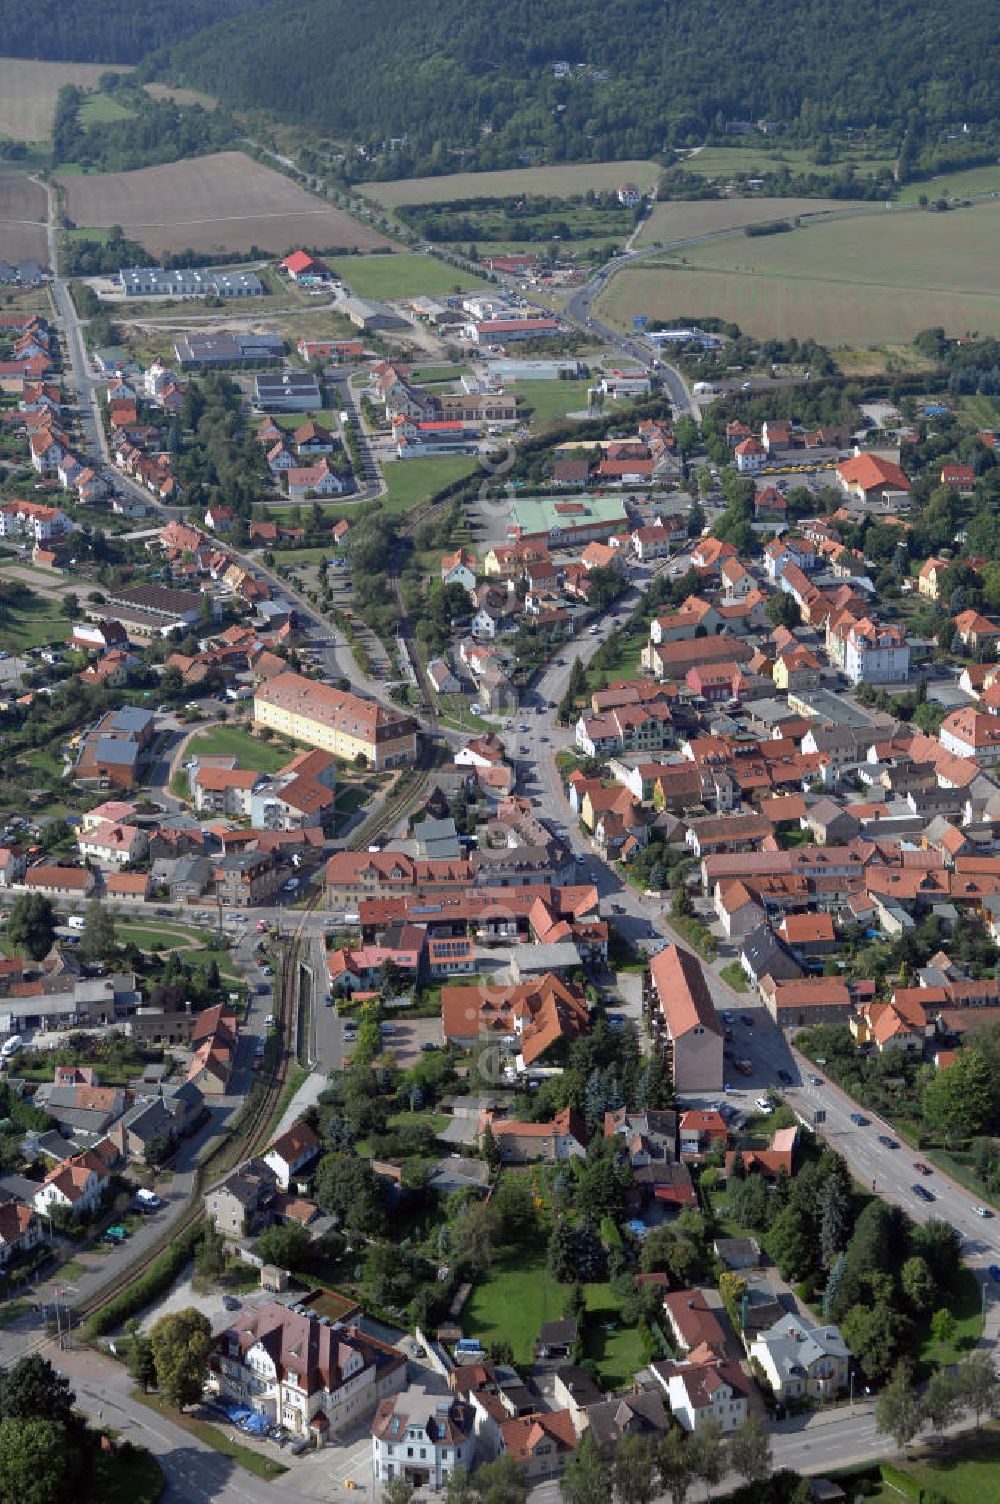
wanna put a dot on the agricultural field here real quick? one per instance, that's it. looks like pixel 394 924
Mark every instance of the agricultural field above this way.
pixel 968 184
pixel 184 97
pixel 687 219
pixel 875 279
pixel 102 109
pixel 754 161
pixel 222 202
pixel 560 180
pixel 28 93
pixel 408 275
pixel 23 215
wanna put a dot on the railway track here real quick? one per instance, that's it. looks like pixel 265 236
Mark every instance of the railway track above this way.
pixel 252 1131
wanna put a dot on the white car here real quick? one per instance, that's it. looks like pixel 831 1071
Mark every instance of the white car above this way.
pixel 982 1211
pixel 764 1105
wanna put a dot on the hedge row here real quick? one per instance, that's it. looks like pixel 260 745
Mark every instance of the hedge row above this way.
pixel 158 1277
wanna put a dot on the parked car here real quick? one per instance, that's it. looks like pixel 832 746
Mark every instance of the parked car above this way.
pixel 858 1119
pixel 995 1272
pixel 785 1077
pixel 921 1168
pixel 887 1142
pixel 982 1211
pixel 230 1303
pixel 746 1019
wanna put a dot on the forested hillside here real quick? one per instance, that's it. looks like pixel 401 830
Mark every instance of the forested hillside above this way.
pixel 105 31
pixel 471 83
pixel 645 73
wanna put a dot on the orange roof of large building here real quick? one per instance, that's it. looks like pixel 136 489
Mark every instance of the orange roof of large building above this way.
pixel 685 1000
pixel 870 472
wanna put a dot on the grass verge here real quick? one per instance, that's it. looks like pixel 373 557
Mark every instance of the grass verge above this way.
pixel 213 1436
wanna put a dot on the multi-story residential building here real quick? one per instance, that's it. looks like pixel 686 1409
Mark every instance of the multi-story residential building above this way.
pixel 313 1376
pixel 219 790
pixel 802 1361
pixel 422 1438
pixel 244 878
pixel 701 1392
pixel 684 1021
pixel 868 651
pixel 20 1229
pixel 336 721
pixel 968 733
pixel 75 1185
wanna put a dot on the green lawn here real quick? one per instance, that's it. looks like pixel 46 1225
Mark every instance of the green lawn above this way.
pixel 616 1349
pixel 734 975
pixel 964 1474
pixel 967 1309
pixel 519 1294
pixel 412 481
pixel 513 1300
pixel 102 109
pixel 552 400
pixel 232 741
pixel 408 275
pixel 967 184
pixel 32 622
pixel 132 1478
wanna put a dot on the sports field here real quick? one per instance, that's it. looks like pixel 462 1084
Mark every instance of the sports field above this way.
pixel 225 202
pixel 410 275
pixel 686 219
pixel 869 279
pixel 28 93
pixel 23 212
pixel 560 181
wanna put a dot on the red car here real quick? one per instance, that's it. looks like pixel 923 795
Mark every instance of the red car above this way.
pixel 921 1168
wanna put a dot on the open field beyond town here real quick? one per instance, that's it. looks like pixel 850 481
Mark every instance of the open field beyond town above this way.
pixel 560 180
pixel 686 219
pixel 859 280
pixel 409 275
pixel 223 202
pixel 22 218
pixel 28 93
pixel 755 159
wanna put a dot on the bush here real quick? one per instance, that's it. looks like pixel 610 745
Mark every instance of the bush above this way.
pixel 158 1277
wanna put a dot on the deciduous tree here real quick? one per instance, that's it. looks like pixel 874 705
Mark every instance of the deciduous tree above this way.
pixel 182 1342
pixel 586 1479
pixel 750 1450
pixel 37 1461
pixel 31 925
pixel 898 1413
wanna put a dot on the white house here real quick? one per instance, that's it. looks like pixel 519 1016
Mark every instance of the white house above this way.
pixel 290 1153
pixel 459 568
pixel 422 1438
pixel 75 1185
pixel 750 456
pixel 699 1392
pixel 112 844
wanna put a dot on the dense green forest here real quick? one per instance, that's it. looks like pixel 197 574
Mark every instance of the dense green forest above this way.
pixel 105 31
pixel 152 131
pixel 463 83
pixel 644 74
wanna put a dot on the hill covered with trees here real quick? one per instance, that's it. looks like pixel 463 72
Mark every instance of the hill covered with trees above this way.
pixel 642 74
pixel 463 83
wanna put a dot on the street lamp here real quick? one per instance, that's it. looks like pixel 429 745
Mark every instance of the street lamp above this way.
pixel 851 1371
